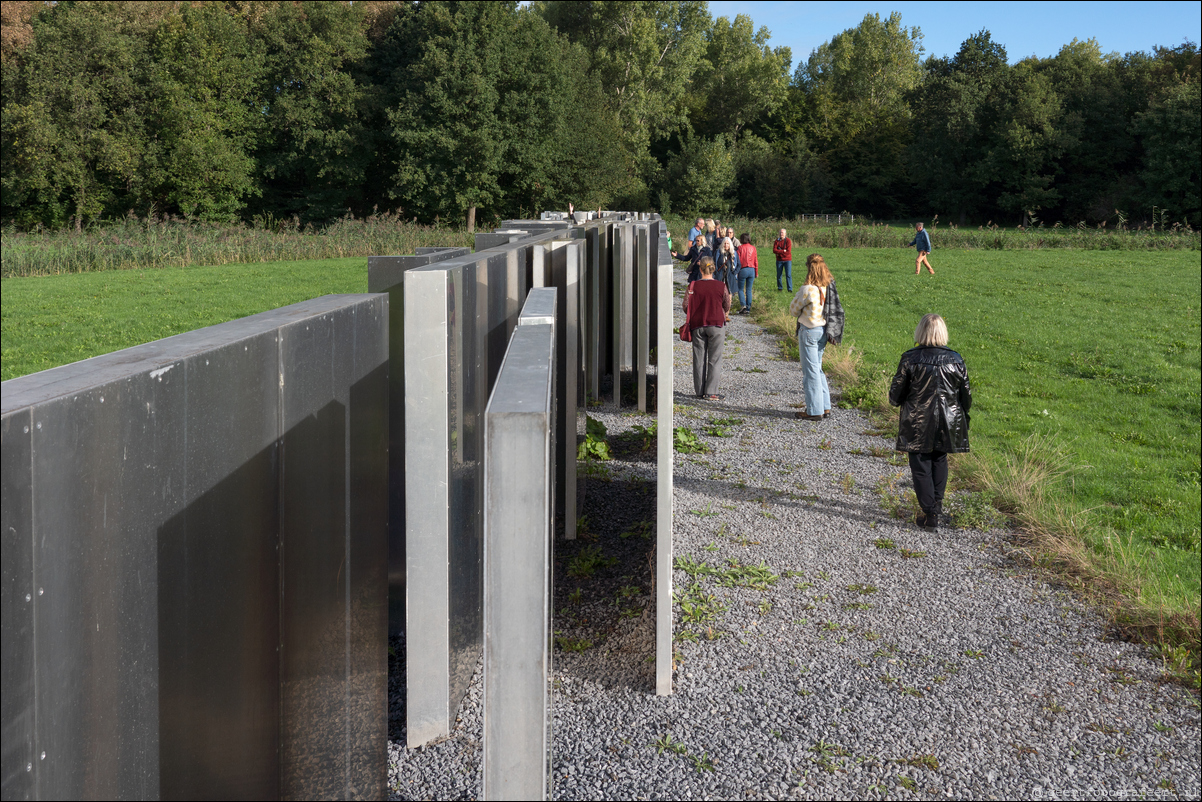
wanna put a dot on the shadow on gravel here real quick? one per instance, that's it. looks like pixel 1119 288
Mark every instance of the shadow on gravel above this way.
pixel 604 617
pixel 854 508
pixel 719 407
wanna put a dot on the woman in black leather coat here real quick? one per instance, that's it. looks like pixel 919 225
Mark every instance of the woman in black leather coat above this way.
pixel 931 387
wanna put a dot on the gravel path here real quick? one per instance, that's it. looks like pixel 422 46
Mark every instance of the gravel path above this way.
pixel 833 651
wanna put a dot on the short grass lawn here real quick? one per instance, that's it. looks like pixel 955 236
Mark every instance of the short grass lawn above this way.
pixel 54 320
pixel 1098 348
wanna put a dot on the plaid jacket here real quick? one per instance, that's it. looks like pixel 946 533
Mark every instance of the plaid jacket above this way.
pixel 833 312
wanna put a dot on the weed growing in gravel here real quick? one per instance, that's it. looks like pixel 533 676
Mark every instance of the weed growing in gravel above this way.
pixel 858 606
pixel 574 644
pixel 848 483
pixel 880 452
pixel 643 529
pixel 975 654
pixel 697 606
pixel 928 761
pixel 976 511
pixel 595 445
pixel 666 743
pixel 575 596
pixel 908 784
pixel 884 543
pixel 871 636
pixel 764 606
pixel 901 503
pixel 862 589
pixel 645 433
pixel 686 441
pixel 756 577
pixel 586 563
pixel 912 555
pixel 712 546
pixel 593 470
pixel 825 444
pixel 708 512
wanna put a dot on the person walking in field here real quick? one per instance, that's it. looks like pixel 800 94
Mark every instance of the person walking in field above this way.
pixel 783 248
pixel 922 241
pixel 705 306
pixel 749 271
pixel 931 387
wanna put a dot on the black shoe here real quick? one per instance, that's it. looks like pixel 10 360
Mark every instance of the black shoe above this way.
pixel 928 522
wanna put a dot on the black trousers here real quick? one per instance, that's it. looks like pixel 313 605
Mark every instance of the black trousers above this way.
pixel 929 472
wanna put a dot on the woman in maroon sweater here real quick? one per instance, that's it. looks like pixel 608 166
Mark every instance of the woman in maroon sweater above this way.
pixel 705 306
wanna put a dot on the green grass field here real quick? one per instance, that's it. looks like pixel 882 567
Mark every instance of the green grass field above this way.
pixel 1096 352
pixel 53 320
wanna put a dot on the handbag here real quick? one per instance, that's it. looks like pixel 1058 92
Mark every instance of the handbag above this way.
pixel 686 333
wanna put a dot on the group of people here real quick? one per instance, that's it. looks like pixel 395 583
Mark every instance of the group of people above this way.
pixel 931 384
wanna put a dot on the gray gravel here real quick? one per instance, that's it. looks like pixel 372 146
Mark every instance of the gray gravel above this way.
pixel 938 667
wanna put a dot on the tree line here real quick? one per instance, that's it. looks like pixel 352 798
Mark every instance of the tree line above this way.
pixel 452 111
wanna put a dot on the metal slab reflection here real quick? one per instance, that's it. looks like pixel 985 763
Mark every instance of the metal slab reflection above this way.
pixel 518 559
pixel 154 479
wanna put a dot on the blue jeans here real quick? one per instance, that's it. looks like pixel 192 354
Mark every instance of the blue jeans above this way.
pixel 812 343
pixel 785 266
pixel 746 279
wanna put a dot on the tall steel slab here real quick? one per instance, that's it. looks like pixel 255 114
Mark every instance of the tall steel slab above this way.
pixel 642 315
pixel 17 600
pixel 663 481
pixel 368 538
pixel 429 312
pixel 219 670
pixel 591 309
pixel 386 274
pixel 153 481
pixel 518 560
pixel 565 270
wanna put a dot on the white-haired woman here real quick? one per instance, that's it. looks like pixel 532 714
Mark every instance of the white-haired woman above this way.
pixel 931 387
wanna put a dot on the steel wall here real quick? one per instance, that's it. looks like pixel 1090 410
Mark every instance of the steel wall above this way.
pixel 385 274
pixel 518 457
pixel 194 562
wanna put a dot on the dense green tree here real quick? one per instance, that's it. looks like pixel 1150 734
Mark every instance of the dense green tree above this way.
pixel 856 89
pixel 775 181
pixel 1172 133
pixel 702 175
pixel 311 154
pixel 496 113
pixel 74 132
pixel 259 108
pixel 741 79
pixel 646 54
pixel 204 76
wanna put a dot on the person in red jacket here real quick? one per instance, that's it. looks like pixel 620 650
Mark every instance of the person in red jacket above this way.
pixel 705 305
pixel 749 271
pixel 783 248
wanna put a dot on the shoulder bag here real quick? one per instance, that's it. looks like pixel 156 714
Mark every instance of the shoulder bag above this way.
pixel 686 333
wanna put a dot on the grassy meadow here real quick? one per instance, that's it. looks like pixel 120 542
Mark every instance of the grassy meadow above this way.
pixel 53 320
pixel 1085 419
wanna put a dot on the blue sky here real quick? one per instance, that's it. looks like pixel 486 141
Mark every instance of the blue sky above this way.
pixel 1024 28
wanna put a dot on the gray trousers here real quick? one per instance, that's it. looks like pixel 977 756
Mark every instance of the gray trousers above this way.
pixel 707 359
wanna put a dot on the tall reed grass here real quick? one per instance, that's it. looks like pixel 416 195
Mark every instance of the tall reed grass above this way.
pixel 868 234
pixel 154 242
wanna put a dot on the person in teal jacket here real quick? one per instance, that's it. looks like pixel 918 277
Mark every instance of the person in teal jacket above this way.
pixel 922 241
